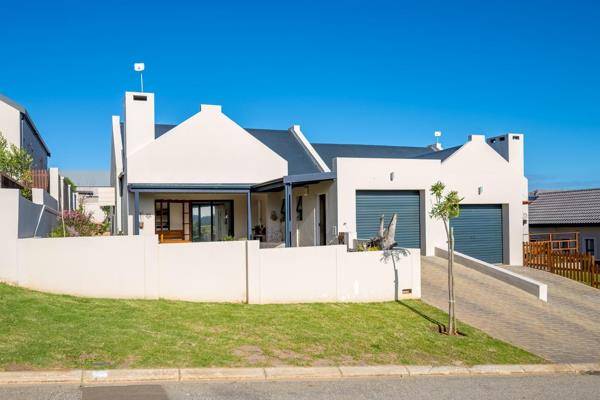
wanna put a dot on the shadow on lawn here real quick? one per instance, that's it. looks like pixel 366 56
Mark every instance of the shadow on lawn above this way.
pixel 441 328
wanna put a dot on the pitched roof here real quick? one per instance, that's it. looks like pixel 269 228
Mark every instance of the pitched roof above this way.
pixel 329 151
pixel 300 161
pixel 566 207
pixel 285 143
pixel 282 142
pixel 23 111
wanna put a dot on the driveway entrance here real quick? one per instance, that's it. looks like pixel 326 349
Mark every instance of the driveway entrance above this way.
pixel 565 329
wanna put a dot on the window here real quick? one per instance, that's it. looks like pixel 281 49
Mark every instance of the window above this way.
pixel 590 246
pixel 161 216
pixel 299 209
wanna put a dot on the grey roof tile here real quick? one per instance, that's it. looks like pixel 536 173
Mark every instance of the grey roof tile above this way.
pixel 285 143
pixel 329 151
pixel 566 207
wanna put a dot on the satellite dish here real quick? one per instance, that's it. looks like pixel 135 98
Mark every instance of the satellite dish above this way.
pixel 436 133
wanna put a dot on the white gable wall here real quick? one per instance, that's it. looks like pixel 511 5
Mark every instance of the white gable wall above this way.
pixel 10 124
pixel 475 165
pixel 206 148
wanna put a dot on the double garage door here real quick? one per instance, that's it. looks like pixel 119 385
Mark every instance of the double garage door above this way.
pixel 477 231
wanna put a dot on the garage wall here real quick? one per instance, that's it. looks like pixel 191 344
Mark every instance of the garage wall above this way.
pixel 475 165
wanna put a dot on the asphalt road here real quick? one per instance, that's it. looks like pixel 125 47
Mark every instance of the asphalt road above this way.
pixel 549 387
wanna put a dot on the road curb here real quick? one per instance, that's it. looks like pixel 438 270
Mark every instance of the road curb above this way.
pixel 121 376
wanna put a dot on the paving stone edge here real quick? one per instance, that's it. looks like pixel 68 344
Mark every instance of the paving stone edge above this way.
pixel 120 376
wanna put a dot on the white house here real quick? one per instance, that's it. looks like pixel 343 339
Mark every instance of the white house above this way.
pixel 18 128
pixel 209 179
pixel 94 192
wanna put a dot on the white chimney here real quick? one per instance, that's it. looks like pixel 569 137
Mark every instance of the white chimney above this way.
pixel 510 146
pixel 139 120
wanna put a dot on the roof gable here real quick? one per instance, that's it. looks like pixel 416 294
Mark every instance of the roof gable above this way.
pixel 206 148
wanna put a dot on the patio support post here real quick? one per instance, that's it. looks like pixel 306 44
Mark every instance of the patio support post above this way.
pixel 136 212
pixel 249 214
pixel 288 214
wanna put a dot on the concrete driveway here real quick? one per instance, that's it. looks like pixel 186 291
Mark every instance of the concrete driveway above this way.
pixel 565 329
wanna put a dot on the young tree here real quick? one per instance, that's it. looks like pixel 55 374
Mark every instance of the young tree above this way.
pixel 16 163
pixel 447 206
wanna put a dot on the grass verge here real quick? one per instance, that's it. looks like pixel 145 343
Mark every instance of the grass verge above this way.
pixel 44 331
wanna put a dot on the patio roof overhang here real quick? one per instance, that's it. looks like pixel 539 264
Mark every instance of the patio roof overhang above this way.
pixel 285 183
pixel 302 179
pixel 189 187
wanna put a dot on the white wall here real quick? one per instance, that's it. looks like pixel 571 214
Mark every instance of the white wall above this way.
pixel 211 271
pixel 331 274
pixel 10 124
pixel 101 196
pixel 206 148
pixel 100 266
pixel 238 271
pixel 475 165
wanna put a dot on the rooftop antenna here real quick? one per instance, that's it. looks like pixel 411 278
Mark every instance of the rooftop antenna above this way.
pixel 139 67
pixel 437 135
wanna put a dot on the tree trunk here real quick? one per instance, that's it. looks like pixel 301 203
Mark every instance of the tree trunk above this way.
pixel 451 302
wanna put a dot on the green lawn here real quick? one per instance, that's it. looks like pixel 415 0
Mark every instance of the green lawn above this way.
pixel 45 331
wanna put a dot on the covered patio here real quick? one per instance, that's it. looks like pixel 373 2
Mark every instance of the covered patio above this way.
pixel 290 211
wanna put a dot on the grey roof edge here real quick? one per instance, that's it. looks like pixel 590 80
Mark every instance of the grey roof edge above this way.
pixel 552 191
pixel 190 187
pixel 23 111
pixel 312 152
pixel 440 154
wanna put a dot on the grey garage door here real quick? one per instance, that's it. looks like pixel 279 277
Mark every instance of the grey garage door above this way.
pixel 478 232
pixel 370 204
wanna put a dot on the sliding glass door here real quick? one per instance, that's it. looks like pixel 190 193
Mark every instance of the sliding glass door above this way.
pixel 212 220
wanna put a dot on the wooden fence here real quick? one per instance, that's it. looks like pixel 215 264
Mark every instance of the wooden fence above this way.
pixel 572 265
pixel 40 179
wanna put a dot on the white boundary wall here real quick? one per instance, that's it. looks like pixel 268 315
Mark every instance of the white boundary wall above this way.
pixel 331 274
pixel 137 267
pixel 531 286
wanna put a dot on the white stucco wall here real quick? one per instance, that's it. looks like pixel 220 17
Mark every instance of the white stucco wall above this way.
pixel 138 267
pixel 206 148
pixel 331 274
pixel 475 165
pixel 10 124
pixel 211 271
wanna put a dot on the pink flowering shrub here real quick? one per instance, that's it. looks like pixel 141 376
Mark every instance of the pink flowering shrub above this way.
pixel 76 223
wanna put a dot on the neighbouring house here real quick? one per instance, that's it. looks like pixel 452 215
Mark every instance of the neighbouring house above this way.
pixel 50 194
pixel 94 192
pixel 210 179
pixel 567 216
pixel 18 128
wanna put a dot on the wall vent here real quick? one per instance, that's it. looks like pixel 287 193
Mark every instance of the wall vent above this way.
pixel 137 97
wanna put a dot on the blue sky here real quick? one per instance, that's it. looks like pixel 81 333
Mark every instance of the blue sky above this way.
pixel 350 72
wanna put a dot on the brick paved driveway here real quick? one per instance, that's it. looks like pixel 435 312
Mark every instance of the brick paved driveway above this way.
pixel 566 329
